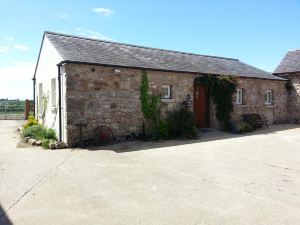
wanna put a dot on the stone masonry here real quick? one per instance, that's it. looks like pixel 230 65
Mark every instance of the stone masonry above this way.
pixel 103 96
pixel 294 98
pixel 254 100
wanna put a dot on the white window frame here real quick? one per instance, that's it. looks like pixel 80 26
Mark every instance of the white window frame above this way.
pixel 239 96
pixel 53 93
pixel 168 87
pixel 268 97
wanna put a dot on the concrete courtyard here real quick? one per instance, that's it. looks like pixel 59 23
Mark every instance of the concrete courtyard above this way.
pixel 219 179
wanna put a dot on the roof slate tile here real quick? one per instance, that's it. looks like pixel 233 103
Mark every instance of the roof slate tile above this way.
pixel 86 50
pixel 290 63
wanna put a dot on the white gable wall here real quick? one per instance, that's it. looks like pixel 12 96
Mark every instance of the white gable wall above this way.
pixel 46 71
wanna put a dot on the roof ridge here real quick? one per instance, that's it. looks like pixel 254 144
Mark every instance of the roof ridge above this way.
pixel 137 46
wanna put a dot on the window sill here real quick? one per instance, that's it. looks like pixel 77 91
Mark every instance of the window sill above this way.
pixel 269 106
pixel 240 105
pixel 167 100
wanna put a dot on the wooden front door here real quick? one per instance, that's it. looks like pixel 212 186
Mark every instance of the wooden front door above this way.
pixel 201 106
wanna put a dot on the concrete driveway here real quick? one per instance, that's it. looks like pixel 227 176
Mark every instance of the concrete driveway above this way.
pixel 219 179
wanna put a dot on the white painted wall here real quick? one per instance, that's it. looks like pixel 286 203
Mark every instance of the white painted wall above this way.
pixel 46 71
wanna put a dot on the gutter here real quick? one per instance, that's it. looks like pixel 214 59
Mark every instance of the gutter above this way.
pixel 59 102
pixel 161 70
pixel 287 73
pixel 34 83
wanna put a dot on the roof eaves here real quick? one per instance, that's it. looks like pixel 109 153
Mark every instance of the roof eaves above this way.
pixel 165 70
pixel 38 59
pixel 291 72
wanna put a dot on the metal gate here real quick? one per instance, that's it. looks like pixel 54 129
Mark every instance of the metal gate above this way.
pixel 14 109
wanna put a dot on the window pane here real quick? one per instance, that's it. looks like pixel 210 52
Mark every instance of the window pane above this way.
pixel 268 97
pixel 239 96
pixel 166 91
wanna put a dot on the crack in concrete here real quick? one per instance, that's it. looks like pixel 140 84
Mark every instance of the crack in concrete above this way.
pixel 268 164
pixel 44 178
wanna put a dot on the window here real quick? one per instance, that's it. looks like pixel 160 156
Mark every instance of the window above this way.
pixel 53 92
pixel 166 91
pixel 40 98
pixel 239 96
pixel 269 97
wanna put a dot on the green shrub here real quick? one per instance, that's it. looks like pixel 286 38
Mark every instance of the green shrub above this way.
pixel 244 127
pixel 33 131
pixel 46 143
pixel 50 134
pixel 39 132
pixel 181 123
pixel 289 86
pixel 31 121
pixel 161 132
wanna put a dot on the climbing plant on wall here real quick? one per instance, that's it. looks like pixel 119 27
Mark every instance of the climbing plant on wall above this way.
pixel 45 106
pixel 151 108
pixel 145 95
pixel 222 89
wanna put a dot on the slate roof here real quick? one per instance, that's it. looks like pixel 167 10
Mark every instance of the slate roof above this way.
pixel 86 50
pixel 290 63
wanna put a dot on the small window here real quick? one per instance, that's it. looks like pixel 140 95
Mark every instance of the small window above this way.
pixel 239 96
pixel 166 91
pixel 53 92
pixel 269 97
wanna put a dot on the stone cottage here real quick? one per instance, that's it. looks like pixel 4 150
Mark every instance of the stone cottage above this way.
pixel 98 82
pixel 289 68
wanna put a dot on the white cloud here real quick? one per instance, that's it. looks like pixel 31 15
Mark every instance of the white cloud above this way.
pixel 15 80
pixel 63 15
pixel 103 11
pixel 4 49
pixel 21 47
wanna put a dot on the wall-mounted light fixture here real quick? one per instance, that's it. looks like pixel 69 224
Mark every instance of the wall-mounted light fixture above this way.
pixel 117 71
pixel 188 102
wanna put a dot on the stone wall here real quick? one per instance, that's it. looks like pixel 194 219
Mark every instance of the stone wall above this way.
pixel 294 99
pixel 102 96
pixel 254 100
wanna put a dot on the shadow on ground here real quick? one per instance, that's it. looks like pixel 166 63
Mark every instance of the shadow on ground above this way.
pixel 214 135
pixel 4 220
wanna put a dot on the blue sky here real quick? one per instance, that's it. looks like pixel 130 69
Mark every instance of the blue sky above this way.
pixel 258 32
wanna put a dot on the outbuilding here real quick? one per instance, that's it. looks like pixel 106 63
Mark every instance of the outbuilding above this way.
pixel 289 68
pixel 97 83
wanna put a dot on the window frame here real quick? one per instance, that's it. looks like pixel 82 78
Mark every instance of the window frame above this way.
pixel 269 97
pixel 169 87
pixel 53 92
pixel 240 98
